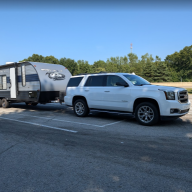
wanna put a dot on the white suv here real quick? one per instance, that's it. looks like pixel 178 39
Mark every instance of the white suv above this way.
pixel 126 93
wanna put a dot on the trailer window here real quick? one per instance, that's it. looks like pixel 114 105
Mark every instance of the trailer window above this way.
pixel 74 82
pixel 23 75
pixel 3 82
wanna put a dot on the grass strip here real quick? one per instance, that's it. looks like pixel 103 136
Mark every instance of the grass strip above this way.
pixel 189 90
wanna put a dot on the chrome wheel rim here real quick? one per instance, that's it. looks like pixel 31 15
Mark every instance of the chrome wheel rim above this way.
pixel 145 114
pixel 79 108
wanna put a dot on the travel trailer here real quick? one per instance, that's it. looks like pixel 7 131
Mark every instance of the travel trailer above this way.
pixel 32 83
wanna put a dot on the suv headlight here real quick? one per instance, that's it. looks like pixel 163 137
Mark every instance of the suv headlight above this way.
pixel 170 95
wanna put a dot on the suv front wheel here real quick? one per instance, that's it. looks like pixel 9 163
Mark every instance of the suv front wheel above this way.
pixel 80 108
pixel 147 113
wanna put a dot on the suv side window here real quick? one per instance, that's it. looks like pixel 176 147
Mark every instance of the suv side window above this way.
pixel 74 82
pixel 95 81
pixel 113 79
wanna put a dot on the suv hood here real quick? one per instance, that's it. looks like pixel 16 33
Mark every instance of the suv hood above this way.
pixel 166 88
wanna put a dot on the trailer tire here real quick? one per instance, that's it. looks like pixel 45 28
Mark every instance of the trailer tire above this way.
pixel 5 103
pixel 34 104
pixel 0 103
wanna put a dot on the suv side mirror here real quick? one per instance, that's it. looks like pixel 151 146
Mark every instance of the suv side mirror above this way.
pixel 122 84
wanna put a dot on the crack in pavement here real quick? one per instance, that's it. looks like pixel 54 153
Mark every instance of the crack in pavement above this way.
pixel 9 148
pixel 28 135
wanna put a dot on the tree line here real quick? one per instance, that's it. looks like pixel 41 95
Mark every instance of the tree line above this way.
pixel 175 67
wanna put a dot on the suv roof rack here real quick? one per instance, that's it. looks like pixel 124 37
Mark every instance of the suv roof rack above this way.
pixel 93 73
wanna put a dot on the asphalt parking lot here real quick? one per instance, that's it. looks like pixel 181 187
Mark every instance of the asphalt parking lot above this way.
pixel 48 148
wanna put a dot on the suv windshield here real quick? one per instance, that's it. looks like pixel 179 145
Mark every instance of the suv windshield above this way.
pixel 136 80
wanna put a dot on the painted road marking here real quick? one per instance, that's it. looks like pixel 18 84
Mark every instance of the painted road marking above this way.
pixel 57 128
pixel 62 120
pixel 113 123
pixel 73 121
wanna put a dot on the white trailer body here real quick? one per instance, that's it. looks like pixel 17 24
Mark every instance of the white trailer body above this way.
pixel 33 82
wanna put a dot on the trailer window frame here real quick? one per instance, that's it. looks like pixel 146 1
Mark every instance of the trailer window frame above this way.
pixel 5 87
pixel 23 75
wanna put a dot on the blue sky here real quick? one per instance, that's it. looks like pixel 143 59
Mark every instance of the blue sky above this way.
pixel 94 32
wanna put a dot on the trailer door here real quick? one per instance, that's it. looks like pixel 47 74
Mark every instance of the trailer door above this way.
pixel 13 82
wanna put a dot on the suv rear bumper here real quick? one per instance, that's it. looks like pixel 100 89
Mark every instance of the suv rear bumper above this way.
pixel 68 100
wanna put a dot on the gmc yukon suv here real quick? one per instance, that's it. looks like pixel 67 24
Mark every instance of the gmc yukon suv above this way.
pixel 126 93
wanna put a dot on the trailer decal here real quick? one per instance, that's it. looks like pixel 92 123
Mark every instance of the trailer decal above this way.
pixel 54 74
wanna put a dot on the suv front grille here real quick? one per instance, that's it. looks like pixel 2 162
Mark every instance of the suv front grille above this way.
pixel 183 96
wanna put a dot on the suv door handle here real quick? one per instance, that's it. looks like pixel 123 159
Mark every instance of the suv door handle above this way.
pixel 107 91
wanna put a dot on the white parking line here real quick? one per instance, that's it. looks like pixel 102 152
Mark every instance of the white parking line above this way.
pixel 74 122
pixel 113 123
pixel 40 125
pixel 63 120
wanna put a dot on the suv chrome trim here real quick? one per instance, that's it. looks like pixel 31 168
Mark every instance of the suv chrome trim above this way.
pixel 182 96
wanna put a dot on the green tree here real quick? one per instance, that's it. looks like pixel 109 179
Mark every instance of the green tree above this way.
pixel 148 71
pixel 181 62
pixel 50 59
pixel 83 66
pixel 35 58
pixel 112 64
pixel 134 64
pixel 99 69
pixel 175 77
pixel 161 73
pixel 99 66
pixel 132 58
pixel 70 64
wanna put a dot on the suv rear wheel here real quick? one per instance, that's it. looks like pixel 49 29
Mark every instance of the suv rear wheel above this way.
pixel 80 108
pixel 147 113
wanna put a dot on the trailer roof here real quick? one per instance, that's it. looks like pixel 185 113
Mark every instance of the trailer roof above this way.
pixel 12 64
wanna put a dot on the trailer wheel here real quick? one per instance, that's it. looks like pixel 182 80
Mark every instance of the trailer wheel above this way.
pixel 5 103
pixel 0 103
pixel 80 108
pixel 34 104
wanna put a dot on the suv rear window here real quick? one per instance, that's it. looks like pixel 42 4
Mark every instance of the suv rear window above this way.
pixel 94 81
pixel 74 82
